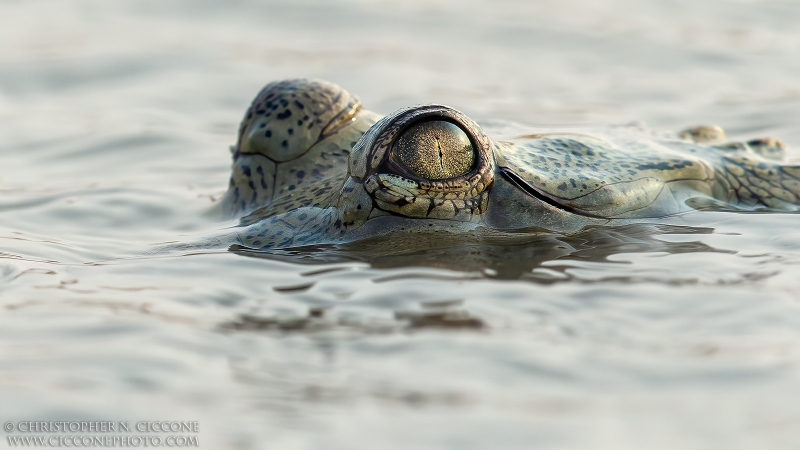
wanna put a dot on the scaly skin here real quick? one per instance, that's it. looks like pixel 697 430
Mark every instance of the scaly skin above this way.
pixel 311 166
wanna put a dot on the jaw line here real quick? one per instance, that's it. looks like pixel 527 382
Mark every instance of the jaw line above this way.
pixel 527 188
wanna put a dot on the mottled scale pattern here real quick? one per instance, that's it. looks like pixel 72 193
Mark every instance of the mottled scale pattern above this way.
pixel 290 116
pixel 308 181
pixel 294 228
pixel 599 177
pixel 274 157
pixel 748 179
pixel 252 184
pixel 769 148
pixel 456 201
pixel 319 194
pixel 326 159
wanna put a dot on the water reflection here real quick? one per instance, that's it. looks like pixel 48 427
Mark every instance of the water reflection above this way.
pixel 450 316
pixel 533 255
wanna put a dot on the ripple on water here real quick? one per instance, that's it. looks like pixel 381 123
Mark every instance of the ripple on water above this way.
pixel 117 117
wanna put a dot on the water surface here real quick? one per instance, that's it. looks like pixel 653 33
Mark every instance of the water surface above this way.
pixel 116 121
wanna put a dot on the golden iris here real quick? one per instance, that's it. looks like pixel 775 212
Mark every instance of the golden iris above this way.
pixel 435 150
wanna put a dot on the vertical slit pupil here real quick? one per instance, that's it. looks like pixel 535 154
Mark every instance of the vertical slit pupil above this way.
pixel 435 150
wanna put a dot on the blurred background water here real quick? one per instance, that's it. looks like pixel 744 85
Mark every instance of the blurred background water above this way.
pixel 115 122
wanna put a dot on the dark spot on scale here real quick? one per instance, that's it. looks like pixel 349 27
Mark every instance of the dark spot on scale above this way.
pixel 285 144
pixel 291 187
pixel 585 186
pixel 402 202
pixel 302 216
pixel 283 102
pixel 666 166
pixel 310 125
pixel 305 117
pixel 298 104
pixel 562 187
pixel 246 170
pixel 268 133
pixel 262 125
pixel 299 123
pixel 260 111
pixel 338 223
pixel 256 242
pixel 290 131
pixel 572 181
pixel 284 115
pixel 660 166
pixel 358 206
pixel 301 174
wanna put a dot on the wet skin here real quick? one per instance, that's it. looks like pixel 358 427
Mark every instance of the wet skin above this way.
pixel 311 166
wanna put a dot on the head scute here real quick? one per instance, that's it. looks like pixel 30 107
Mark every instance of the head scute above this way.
pixel 288 117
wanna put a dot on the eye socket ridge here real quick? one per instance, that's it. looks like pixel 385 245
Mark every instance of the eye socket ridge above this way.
pixel 396 189
pixel 433 148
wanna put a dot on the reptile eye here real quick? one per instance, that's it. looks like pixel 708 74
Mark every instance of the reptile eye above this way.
pixel 434 150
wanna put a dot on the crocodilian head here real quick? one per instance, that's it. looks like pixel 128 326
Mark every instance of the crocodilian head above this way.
pixel 425 167
pixel 424 163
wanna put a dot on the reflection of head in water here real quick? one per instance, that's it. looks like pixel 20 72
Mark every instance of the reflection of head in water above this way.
pixel 498 255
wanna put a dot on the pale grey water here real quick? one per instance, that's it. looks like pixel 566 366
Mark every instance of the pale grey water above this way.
pixel 115 122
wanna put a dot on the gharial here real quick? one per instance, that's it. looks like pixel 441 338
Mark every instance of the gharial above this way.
pixel 311 166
